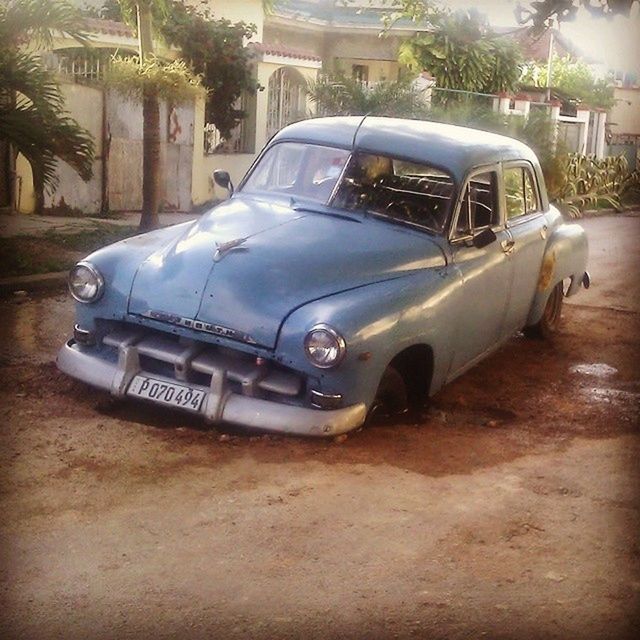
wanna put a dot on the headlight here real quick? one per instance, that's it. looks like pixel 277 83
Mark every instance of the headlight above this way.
pixel 85 282
pixel 324 346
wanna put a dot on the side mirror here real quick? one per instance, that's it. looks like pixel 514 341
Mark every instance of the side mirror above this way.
pixel 484 238
pixel 223 179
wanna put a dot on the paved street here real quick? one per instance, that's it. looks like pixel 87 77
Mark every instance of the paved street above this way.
pixel 509 510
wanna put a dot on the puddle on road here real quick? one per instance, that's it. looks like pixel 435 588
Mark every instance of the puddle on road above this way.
pixel 605 395
pixel 597 369
pixel 601 394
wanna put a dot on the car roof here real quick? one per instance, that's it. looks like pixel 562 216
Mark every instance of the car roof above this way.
pixel 452 148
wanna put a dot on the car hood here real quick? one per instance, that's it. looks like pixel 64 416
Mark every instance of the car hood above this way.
pixel 248 263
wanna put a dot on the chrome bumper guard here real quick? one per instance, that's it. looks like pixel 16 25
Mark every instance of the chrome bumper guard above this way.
pixel 221 404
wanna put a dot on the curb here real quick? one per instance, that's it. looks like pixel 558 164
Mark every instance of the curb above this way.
pixel 37 282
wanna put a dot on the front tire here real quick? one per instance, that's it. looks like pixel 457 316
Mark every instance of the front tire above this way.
pixel 549 324
pixel 391 398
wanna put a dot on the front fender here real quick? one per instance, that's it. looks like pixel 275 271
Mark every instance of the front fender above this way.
pixel 565 257
pixel 118 264
pixel 378 321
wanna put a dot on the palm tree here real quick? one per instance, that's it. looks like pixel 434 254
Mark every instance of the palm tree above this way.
pixel 143 10
pixel 33 119
pixel 141 13
pixel 152 81
pixel 338 94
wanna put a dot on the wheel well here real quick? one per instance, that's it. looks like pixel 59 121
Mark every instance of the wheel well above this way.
pixel 415 365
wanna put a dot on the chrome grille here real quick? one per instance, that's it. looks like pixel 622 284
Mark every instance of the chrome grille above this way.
pixel 190 360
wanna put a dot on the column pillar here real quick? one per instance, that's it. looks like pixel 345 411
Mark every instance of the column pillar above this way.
pixel 601 120
pixel 582 115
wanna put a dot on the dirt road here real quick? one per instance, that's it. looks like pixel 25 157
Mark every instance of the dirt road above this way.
pixel 510 510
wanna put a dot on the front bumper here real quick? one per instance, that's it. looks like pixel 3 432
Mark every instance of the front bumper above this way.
pixel 220 404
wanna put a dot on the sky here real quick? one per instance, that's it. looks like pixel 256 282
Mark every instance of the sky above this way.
pixel 615 42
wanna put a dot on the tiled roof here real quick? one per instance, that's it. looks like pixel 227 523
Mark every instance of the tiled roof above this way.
pixel 336 13
pixel 286 52
pixel 110 27
pixel 536 47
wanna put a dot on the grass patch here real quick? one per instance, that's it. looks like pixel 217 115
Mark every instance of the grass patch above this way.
pixel 54 251
pixel 91 239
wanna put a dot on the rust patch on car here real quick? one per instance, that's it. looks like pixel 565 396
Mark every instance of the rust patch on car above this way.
pixel 546 271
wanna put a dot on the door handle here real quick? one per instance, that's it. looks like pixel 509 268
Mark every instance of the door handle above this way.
pixel 508 245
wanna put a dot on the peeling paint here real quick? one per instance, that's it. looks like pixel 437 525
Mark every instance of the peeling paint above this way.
pixel 547 270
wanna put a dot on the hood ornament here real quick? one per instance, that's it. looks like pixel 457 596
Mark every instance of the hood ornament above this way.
pixel 223 248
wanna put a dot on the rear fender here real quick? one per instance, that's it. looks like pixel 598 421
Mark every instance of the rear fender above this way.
pixel 564 257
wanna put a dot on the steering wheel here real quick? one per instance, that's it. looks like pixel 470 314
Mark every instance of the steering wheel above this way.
pixel 401 210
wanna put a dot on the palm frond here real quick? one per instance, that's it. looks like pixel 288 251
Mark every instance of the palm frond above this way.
pixel 342 95
pixel 23 74
pixel 33 119
pixel 37 21
pixel 42 139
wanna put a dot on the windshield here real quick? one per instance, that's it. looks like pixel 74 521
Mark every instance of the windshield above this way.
pixel 408 192
pixel 417 194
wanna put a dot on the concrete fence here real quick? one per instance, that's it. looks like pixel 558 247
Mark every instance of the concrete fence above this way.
pixel 115 123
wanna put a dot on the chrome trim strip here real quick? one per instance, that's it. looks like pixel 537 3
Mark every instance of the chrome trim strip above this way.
pixel 83 336
pixel 325 400
pixel 198 325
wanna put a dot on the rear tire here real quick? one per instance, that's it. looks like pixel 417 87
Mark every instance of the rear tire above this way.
pixel 549 324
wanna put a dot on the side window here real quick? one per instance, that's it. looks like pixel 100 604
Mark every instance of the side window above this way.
pixel 479 204
pixel 514 192
pixel 520 192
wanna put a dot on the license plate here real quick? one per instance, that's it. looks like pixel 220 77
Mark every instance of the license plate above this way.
pixel 169 393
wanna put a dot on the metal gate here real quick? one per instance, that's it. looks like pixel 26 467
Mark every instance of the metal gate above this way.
pixel 286 99
pixel 569 134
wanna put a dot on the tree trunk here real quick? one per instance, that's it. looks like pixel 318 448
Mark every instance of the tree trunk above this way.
pixel 7 199
pixel 105 136
pixel 7 160
pixel 150 128
pixel 38 189
pixel 150 160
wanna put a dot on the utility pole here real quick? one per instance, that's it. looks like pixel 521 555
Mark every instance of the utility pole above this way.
pixel 549 59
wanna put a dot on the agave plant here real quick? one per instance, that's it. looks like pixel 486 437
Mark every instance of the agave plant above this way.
pixel 587 182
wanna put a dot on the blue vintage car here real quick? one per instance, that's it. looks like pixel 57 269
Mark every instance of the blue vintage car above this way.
pixel 361 264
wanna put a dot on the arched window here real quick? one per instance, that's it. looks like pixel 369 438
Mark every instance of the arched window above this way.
pixel 286 99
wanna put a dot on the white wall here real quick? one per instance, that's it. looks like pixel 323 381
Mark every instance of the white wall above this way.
pixel 125 157
pixel 236 164
pixel 85 104
pixel 624 117
pixel 123 122
pixel 249 11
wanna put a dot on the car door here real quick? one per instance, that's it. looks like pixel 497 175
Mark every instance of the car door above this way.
pixel 485 272
pixel 527 225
